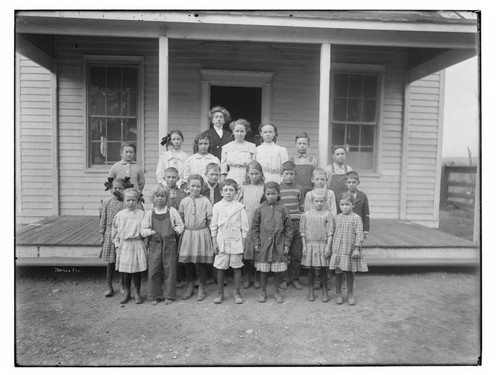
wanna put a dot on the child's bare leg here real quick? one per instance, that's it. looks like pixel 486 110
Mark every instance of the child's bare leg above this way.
pixel 221 274
pixel 263 284
pixel 202 269
pixel 110 271
pixel 324 284
pixel 350 286
pixel 338 287
pixel 310 284
pixel 317 283
pixel 237 283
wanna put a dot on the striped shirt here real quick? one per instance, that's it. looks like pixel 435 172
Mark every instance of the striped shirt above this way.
pixel 292 196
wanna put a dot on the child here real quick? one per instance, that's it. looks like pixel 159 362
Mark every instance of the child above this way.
pixel 108 213
pixel 127 168
pixel 304 164
pixel 174 157
pixel 269 154
pixel 229 228
pixel 211 188
pixel 272 235
pixel 196 244
pixel 319 183
pixel 131 253
pixel 250 195
pixel 162 224
pixel 174 194
pixel 347 240
pixel 237 154
pixel 197 163
pixel 217 135
pixel 316 230
pixel 361 206
pixel 336 172
pixel 292 196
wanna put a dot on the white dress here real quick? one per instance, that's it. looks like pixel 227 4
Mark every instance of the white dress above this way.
pixel 235 158
pixel 271 157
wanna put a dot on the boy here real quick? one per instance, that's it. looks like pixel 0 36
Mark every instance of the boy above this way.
pixel 229 228
pixel 361 206
pixel 211 188
pixel 174 195
pixel 304 164
pixel 292 196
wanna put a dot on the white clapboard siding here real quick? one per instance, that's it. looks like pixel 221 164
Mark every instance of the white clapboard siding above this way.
pixel 34 155
pixel 423 148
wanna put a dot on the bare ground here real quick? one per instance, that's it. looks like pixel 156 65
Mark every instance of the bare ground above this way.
pixel 415 316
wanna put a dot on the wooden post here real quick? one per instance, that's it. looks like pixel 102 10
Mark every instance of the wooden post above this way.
pixel 476 233
pixel 162 90
pixel 55 139
pixel 405 144
pixel 324 105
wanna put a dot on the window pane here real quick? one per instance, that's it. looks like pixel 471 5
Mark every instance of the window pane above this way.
pixel 97 96
pixel 354 110
pixel 340 85
pixel 97 157
pixel 129 103
pixel 338 135
pixel 367 135
pixel 370 87
pixel 369 110
pixel 114 129
pixel 355 85
pixel 353 135
pixel 360 160
pixel 113 92
pixel 97 129
pixel 97 76
pixel 114 152
pixel 129 78
pixel 339 109
pixel 129 130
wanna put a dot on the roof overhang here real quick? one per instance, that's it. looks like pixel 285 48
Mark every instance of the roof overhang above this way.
pixel 362 28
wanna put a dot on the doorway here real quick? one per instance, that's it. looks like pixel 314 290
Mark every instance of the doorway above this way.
pixel 241 102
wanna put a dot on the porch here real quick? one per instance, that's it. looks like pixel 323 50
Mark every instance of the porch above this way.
pixel 74 241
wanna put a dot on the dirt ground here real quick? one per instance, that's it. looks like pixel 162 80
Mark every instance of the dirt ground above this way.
pixel 410 316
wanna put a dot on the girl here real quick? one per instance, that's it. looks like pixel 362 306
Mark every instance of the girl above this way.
pixel 250 195
pixel 336 171
pixel 347 239
pixel 272 233
pixel 218 116
pixel 316 230
pixel 237 154
pixel 229 227
pixel 319 178
pixel 195 244
pixel 108 213
pixel 174 157
pixel 162 224
pixel 127 167
pixel 131 254
pixel 269 154
pixel 197 163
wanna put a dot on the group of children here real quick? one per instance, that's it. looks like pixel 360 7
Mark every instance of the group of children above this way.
pixel 252 209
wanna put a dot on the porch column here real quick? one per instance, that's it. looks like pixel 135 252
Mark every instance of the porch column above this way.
pixel 405 143
pixel 324 105
pixel 55 138
pixel 162 90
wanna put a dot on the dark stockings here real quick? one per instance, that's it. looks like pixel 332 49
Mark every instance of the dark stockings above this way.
pixel 350 281
pixel 110 271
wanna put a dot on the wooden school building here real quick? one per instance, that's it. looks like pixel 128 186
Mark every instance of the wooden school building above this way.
pixel 373 80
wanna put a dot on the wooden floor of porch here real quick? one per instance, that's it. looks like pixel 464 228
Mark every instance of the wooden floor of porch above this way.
pixel 74 241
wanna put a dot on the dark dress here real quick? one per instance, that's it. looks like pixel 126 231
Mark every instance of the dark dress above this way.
pixel 162 262
pixel 217 142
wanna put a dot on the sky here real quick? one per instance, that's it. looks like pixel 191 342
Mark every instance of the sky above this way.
pixel 461 110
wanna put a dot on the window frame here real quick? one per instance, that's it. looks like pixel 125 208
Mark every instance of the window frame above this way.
pixel 373 69
pixel 105 61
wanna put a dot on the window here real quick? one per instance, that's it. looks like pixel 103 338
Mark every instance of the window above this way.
pixel 355 116
pixel 113 109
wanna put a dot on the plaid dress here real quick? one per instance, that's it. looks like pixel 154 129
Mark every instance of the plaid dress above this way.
pixel 348 233
pixel 108 213
pixel 131 251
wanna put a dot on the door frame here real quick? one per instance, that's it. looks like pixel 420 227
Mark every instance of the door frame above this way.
pixel 235 78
